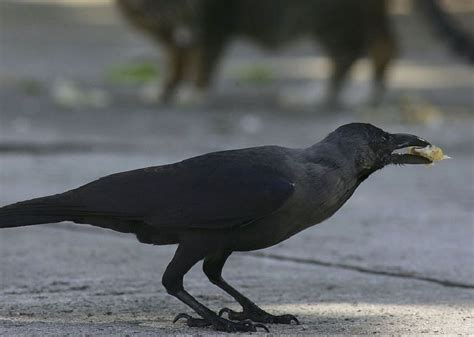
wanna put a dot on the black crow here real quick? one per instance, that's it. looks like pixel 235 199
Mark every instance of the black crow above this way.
pixel 221 202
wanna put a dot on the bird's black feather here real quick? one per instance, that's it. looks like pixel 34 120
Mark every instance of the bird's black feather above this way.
pixel 214 191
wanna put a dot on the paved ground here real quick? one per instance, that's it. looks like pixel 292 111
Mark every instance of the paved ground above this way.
pixel 396 259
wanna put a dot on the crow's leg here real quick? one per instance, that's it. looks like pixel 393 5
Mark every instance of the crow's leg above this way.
pixel 185 257
pixel 213 269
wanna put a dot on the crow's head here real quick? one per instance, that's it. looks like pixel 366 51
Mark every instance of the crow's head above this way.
pixel 372 148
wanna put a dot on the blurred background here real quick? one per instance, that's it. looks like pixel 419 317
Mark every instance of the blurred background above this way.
pixel 88 88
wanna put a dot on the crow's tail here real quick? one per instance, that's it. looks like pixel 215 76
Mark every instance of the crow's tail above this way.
pixel 34 212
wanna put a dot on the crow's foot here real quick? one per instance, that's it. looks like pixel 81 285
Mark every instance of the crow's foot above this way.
pixel 256 314
pixel 221 324
pixel 191 321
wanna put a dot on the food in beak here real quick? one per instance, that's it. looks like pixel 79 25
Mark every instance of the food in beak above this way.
pixel 430 152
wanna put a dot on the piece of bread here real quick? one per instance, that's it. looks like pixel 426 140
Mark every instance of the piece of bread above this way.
pixel 430 152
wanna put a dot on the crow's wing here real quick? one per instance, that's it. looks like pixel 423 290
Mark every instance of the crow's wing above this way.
pixel 204 192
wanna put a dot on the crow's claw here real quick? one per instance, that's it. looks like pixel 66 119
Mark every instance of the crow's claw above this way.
pixel 221 324
pixel 181 315
pixel 227 310
pixel 255 325
pixel 287 319
pixel 191 321
pixel 258 315
pixel 223 310
pixel 233 315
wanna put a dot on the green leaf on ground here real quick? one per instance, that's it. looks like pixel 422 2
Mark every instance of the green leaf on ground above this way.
pixel 136 73
pixel 256 74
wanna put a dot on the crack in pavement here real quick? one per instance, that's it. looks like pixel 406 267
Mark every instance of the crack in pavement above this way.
pixel 401 274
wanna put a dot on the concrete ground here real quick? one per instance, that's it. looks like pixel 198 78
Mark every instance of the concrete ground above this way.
pixel 396 259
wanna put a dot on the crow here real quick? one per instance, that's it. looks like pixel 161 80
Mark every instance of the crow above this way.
pixel 222 202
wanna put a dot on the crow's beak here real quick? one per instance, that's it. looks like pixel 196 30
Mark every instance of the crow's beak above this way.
pixel 403 140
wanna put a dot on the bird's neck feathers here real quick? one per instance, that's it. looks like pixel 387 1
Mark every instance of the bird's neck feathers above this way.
pixel 353 161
